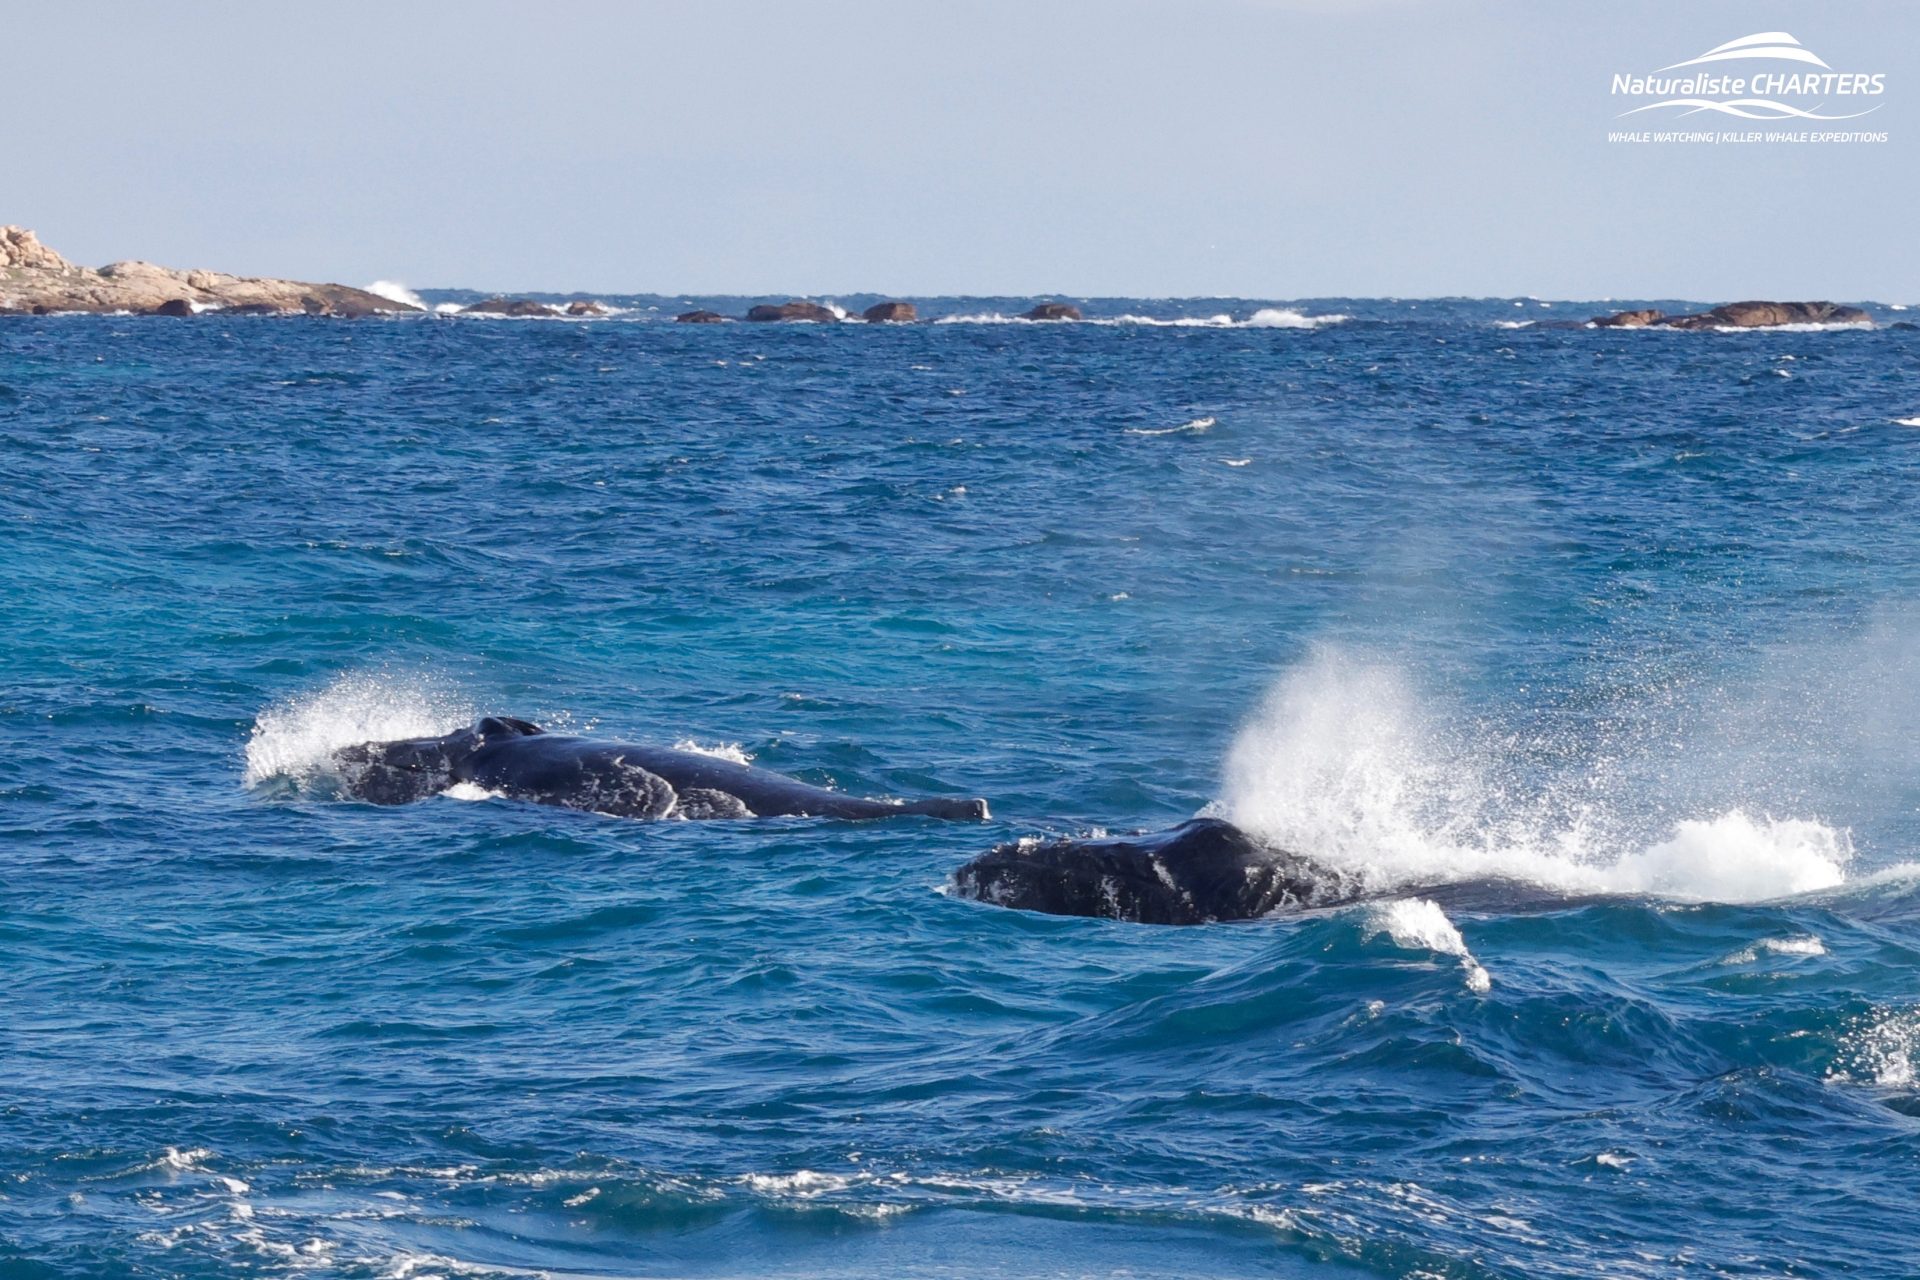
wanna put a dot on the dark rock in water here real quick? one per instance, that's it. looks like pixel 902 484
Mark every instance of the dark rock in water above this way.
pixel 1906 326
pixel 1053 311
pixel 173 307
pixel 510 307
pixel 890 313
pixel 1630 319
pixel 588 308
pixel 1760 315
pixel 700 317
pixel 1198 872
pixel 812 312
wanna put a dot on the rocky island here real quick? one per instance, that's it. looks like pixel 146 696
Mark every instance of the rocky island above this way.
pixel 1739 315
pixel 35 280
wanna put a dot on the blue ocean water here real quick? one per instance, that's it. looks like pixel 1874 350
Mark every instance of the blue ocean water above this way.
pixel 1625 618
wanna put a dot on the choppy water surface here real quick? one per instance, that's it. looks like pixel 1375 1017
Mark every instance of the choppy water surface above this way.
pixel 1631 617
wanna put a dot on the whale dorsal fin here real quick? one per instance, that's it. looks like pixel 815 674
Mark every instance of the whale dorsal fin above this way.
pixel 507 727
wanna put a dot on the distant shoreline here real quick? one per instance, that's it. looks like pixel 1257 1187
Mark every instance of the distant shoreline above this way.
pixel 36 280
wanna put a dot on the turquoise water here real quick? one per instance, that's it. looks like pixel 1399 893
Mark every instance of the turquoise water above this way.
pixel 1627 619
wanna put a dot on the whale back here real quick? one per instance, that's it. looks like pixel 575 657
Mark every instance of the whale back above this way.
pixel 495 727
pixel 1198 872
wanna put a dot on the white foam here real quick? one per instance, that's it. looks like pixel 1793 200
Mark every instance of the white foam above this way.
pixel 394 291
pixel 1196 425
pixel 1736 858
pixel 1419 925
pixel 1804 944
pixel 718 750
pixel 1341 762
pixel 1264 318
pixel 1879 1048
pixel 805 1183
pixel 1287 318
pixel 1906 422
pixel 183 1161
pixel 1177 322
pixel 1824 327
pixel 297 738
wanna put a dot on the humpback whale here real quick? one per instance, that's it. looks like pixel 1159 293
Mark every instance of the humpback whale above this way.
pixel 1196 873
pixel 519 760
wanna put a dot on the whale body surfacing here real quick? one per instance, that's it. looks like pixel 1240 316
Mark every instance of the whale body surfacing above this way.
pixel 521 761
pixel 1199 872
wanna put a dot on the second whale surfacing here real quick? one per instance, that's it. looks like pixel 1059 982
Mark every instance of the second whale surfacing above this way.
pixel 1202 871
pixel 1207 870
pixel 519 760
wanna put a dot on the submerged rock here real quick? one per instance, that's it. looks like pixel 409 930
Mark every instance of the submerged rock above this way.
pixel 1053 311
pixel 36 280
pixel 809 312
pixel 700 317
pixel 890 313
pixel 589 308
pixel 509 307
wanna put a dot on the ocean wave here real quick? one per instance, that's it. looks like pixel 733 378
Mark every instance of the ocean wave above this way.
pixel 1341 761
pixel 1196 425
pixel 1417 924
pixel 1799 944
pixel 1287 318
pixel 394 291
pixel 1264 318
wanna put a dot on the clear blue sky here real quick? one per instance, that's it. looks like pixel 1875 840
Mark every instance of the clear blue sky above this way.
pixel 1260 148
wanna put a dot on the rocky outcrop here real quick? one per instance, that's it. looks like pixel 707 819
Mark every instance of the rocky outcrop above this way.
pixel 700 317
pixel 1760 315
pixel 1741 315
pixel 589 308
pixel 20 249
pixel 509 307
pixel 890 313
pixel 810 312
pixel 1630 319
pixel 36 280
pixel 1053 311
